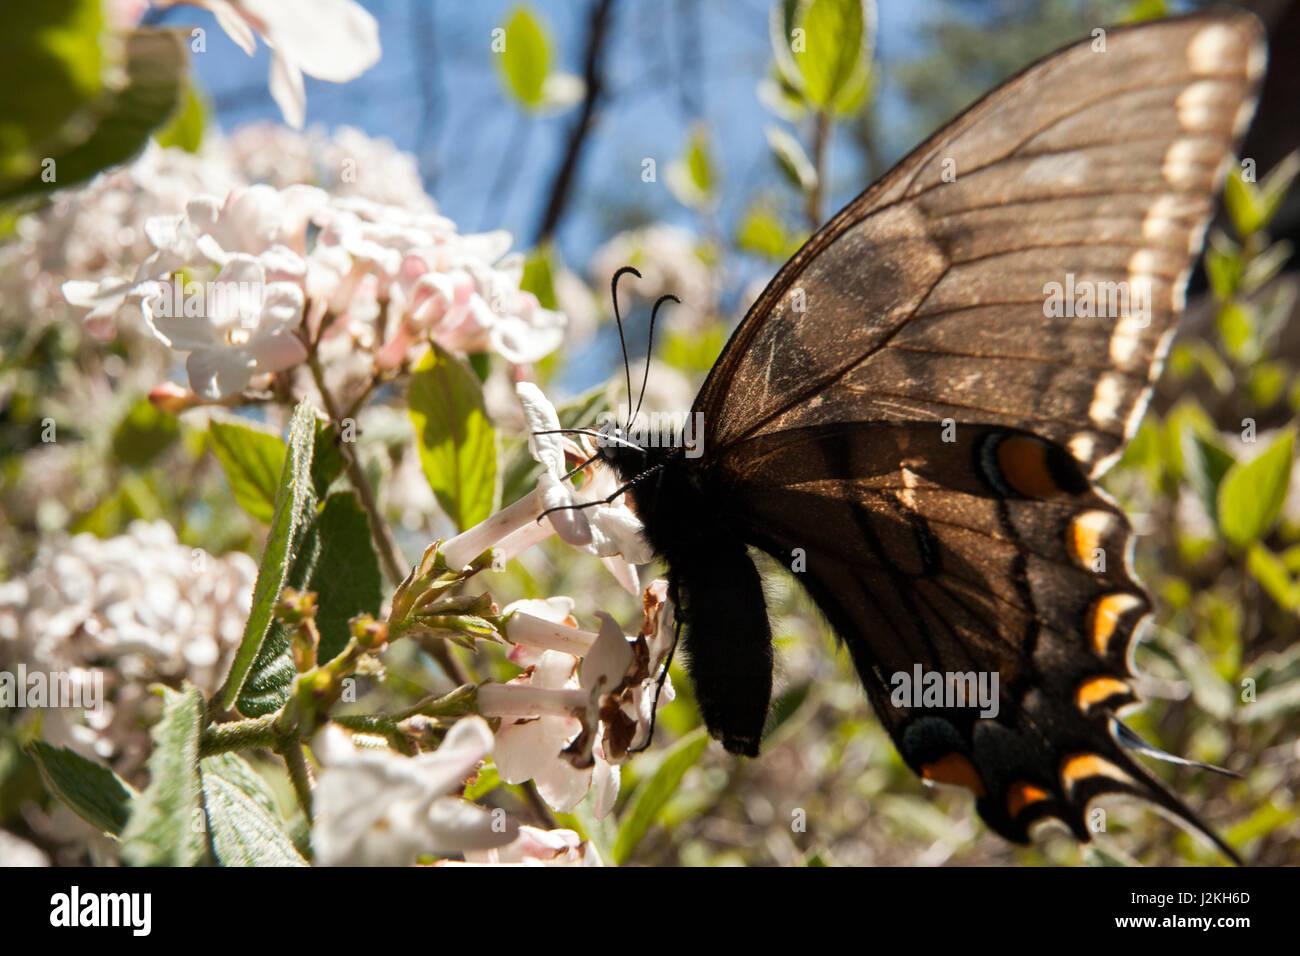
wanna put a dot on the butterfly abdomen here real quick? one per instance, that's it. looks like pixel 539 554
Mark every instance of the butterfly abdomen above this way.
pixel 726 637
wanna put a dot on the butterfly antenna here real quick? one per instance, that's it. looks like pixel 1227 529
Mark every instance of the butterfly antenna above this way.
pixel 649 351
pixel 570 474
pixel 618 320
pixel 597 434
pixel 606 500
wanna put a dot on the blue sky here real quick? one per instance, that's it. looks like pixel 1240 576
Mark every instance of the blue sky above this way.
pixel 668 63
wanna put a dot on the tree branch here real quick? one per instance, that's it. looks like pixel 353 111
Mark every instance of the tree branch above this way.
pixel 594 77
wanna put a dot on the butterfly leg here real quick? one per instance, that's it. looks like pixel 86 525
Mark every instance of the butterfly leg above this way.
pixel 727 641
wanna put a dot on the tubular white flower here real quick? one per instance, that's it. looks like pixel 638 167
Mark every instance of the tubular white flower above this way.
pixel 378 808
pixel 580 517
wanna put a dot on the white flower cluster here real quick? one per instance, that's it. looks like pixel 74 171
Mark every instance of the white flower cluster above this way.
pixel 584 704
pixel 378 273
pixel 377 808
pixel 142 608
pixel 97 230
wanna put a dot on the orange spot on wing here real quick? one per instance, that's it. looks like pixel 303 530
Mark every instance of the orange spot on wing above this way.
pixel 1021 795
pixel 955 769
pixel 1104 617
pixel 1082 766
pixel 1086 535
pixel 1023 463
pixel 1097 689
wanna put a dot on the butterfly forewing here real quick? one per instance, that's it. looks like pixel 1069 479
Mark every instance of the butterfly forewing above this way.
pixel 928 297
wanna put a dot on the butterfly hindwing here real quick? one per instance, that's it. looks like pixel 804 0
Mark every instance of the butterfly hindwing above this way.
pixel 971 551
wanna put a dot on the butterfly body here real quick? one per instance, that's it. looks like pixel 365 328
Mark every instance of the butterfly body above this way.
pixel 907 422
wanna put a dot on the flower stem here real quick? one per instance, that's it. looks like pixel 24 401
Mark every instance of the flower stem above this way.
pixel 819 191
pixel 389 555
pixel 239 735
pixel 299 773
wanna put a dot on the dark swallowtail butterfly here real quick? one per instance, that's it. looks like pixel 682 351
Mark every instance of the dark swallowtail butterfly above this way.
pixel 897 411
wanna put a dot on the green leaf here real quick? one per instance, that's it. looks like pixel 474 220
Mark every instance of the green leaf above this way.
pixel 456 441
pixel 1205 462
pixel 1251 495
pixel 185 131
pixel 1236 325
pixel 1277 184
pixel 525 61
pixel 1245 204
pixel 1264 267
pixel 1271 573
pixel 110 129
pixel 488 779
pixel 245 830
pixel 762 232
pixel 295 504
pixel 166 826
pixel 91 790
pixel 651 796
pixel 791 159
pixel 326 458
pixel 834 51
pixel 693 178
pixel 144 434
pixel 235 769
pixel 1223 266
pixel 1266 382
pixel 346 576
pixel 57 41
pixel 539 276
pixel 253 459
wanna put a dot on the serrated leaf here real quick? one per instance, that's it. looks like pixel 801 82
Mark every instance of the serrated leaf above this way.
pixel 651 796
pixel 1251 495
pixel 456 440
pixel 295 505
pixel 246 829
pixel 526 58
pixel 91 790
pixel 326 458
pixel 165 827
pixel 346 576
pixel 253 460
pixel 240 772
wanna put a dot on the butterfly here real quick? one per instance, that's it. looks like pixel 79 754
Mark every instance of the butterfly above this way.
pixel 907 421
